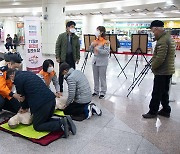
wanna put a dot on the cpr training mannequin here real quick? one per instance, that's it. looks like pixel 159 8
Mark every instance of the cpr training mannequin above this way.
pixel 20 118
pixel 61 102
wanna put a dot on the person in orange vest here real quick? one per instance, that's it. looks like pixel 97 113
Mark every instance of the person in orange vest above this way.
pixel 101 49
pixel 48 74
pixel 8 101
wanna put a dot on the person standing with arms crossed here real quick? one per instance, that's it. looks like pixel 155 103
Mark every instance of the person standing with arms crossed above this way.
pixel 67 49
pixel 101 49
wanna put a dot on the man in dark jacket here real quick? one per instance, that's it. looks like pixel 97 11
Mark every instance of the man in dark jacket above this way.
pixel 163 68
pixel 8 42
pixel 34 94
pixel 67 49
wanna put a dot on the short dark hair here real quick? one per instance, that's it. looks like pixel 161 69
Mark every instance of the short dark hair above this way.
pixel 13 57
pixel 64 66
pixel 69 23
pixel 10 72
pixel 46 64
pixel 102 29
pixel 157 23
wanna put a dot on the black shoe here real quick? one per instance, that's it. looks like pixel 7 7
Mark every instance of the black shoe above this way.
pixel 164 114
pixel 101 96
pixel 94 94
pixel 71 124
pixel 64 127
pixel 149 116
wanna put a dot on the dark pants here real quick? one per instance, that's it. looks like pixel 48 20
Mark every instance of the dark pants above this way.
pixel 7 45
pixel 15 46
pixel 76 109
pixel 160 94
pixel 12 105
pixel 42 119
pixel 70 61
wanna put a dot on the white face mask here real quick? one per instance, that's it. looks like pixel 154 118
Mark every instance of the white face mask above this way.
pixel 72 30
pixel 97 33
pixel 50 69
pixel 152 36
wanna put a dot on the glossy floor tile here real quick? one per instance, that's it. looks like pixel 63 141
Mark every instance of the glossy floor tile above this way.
pixel 121 128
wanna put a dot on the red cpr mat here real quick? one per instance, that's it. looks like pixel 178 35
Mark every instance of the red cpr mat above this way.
pixel 42 141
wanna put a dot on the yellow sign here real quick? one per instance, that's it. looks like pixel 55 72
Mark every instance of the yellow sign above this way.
pixel 172 24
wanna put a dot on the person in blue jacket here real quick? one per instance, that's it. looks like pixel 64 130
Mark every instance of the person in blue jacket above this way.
pixel 36 96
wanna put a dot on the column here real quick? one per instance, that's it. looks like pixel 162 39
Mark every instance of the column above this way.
pixel 53 23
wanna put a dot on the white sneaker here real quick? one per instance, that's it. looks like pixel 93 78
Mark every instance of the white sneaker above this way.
pixel 96 110
pixel 89 111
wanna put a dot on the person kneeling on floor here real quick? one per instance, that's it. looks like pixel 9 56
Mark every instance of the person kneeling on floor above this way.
pixel 79 93
pixel 35 95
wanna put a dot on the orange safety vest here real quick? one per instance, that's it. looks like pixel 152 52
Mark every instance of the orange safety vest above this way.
pixel 100 41
pixel 47 76
pixel 5 86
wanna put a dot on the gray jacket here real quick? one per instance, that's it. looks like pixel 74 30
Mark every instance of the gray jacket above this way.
pixel 101 59
pixel 79 90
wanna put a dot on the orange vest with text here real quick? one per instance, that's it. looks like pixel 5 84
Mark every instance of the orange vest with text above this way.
pixel 5 85
pixel 47 76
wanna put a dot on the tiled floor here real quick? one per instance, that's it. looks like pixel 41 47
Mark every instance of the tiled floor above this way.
pixel 121 128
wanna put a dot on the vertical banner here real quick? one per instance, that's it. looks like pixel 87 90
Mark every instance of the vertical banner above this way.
pixel 34 58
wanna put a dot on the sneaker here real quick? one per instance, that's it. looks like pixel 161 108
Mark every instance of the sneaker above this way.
pixel 89 111
pixel 101 96
pixel 64 127
pixel 94 94
pixel 149 116
pixel 164 114
pixel 71 124
pixel 95 109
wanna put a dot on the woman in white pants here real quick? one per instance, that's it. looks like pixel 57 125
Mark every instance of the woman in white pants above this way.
pixel 101 49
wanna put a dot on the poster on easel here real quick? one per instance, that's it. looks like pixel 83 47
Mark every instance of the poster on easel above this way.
pixel 33 48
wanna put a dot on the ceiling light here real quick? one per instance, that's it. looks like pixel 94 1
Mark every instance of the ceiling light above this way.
pixel 142 14
pixel 34 13
pixel 119 8
pixel 16 3
pixel 169 2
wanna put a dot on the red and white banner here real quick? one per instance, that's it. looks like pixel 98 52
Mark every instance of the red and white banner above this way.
pixel 33 48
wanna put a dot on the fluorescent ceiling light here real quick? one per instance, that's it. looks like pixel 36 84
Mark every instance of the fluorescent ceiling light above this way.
pixel 112 4
pixel 169 2
pixel 146 19
pixel 16 3
pixel 21 10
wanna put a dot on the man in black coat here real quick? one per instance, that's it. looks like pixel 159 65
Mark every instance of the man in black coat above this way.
pixel 34 94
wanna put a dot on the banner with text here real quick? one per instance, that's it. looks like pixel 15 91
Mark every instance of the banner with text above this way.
pixel 33 48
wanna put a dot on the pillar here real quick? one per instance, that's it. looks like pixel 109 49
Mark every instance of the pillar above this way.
pixel 53 23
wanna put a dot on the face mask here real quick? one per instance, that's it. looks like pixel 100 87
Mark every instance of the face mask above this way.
pixel 72 30
pixel 50 69
pixel 152 36
pixel 97 33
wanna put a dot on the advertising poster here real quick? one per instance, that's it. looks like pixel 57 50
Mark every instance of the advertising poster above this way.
pixel 34 58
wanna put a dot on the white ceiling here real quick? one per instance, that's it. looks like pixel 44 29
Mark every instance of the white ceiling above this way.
pixel 123 9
